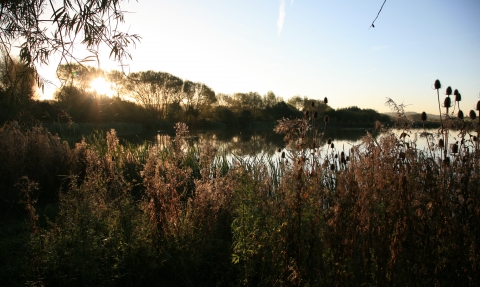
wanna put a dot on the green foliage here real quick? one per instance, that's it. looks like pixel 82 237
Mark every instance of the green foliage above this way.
pixel 99 234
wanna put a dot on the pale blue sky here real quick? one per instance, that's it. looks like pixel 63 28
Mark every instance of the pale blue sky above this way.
pixel 315 48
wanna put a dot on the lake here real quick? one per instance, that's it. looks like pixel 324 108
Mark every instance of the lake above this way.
pixel 266 142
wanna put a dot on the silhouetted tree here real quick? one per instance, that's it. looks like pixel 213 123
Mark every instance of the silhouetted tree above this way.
pixel 70 23
pixel 17 83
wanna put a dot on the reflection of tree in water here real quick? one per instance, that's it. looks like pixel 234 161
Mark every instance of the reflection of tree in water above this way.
pixel 348 135
pixel 251 143
pixel 243 143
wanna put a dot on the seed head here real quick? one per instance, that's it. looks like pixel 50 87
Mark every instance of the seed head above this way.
pixel 279 149
pixel 473 115
pixel 437 84
pixel 458 96
pixel 329 141
pixel 474 138
pixel 460 114
pixel 325 100
pixel 283 154
pixel 312 104
pixel 441 144
pixel 332 167
pixel 325 119
pixel 447 103
pixel 448 92
pixel 332 145
pixel 424 116
pixel 446 160
pixel 454 148
pixel 315 115
pixel 478 106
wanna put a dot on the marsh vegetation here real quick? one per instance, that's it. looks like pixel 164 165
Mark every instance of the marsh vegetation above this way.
pixel 382 212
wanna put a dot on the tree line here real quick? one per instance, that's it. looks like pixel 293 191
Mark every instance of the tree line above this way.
pixel 154 96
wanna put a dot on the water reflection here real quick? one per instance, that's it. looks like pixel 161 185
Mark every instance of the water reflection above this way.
pixel 248 142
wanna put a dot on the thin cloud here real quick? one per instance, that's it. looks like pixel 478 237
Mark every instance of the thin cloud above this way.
pixel 281 17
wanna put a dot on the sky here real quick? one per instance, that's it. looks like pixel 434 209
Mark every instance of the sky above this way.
pixel 313 48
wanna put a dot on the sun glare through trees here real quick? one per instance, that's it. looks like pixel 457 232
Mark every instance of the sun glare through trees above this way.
pixel 101 87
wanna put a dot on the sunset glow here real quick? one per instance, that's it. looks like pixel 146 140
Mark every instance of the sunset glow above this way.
pixel 102 87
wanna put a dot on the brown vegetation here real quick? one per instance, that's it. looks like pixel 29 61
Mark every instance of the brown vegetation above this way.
pixel 380 213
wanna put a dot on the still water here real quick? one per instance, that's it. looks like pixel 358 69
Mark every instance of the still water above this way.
pixel 266 143
pixel 252 143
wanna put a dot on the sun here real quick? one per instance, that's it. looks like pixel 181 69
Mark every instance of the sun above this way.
pixel 102 87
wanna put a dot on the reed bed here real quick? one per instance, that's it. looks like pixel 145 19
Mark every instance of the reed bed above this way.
pixel 382 213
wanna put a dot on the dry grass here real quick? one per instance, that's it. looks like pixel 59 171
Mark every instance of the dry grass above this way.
pixel 381 213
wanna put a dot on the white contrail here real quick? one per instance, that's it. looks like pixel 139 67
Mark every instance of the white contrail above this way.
pixel 281 17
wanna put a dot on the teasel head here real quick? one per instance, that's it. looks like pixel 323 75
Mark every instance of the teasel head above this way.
pixel 325 119
pixel 474 138
pixel 441 143
pixel 312 104
pixel 315 115
pixel 306 114
pixel 332 167
pixel 458 96
pixel 447 103
pixel 424 116
pixel 332 145
pixel 460 114
pixel 325 100
pixel 329 141
pixel 472 115
pixel 478 106
pixel 455 148
pixel 283 154
pixel 446 160
pixel 448 92
pixel 437 84
pixel 279 149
